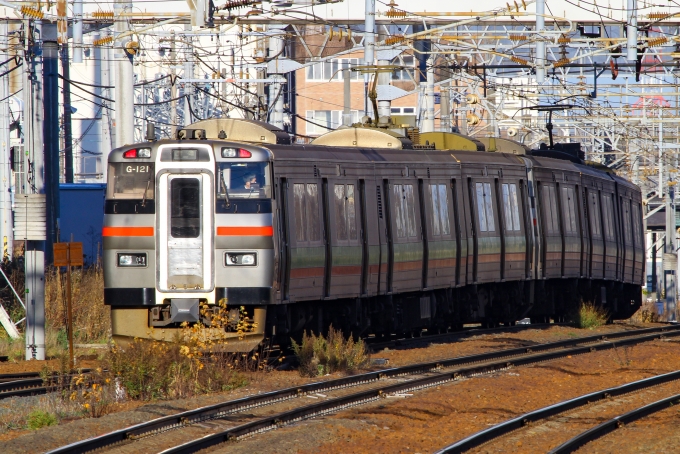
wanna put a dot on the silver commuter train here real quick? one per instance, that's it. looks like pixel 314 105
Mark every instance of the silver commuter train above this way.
pixel 371 240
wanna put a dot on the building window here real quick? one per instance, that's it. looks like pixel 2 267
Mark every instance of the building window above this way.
pixel 332 69
pixel 331 119
pixel 485 208
pixel 403 110
pixel 408 70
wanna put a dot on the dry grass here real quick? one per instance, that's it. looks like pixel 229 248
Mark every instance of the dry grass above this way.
pixel 590 316
pixel 319 355
pixel 646 314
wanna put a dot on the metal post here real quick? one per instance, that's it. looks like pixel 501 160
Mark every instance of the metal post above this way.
pixel 631 30
pixel 102 56
pixel 34 256
pixel 540 44
pixel 66 96
pixel 173 85
pixel 347 98
pixel 428 119
pixel 69 315
pixel 384 105
pixel 125 89
pixel 51 133
pixel 445 108
pixel 276 45
pixel 77 31
pixel 369 48
pixel 188 74
pixel 5 172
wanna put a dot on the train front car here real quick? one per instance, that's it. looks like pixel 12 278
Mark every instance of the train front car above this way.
pixel 188 223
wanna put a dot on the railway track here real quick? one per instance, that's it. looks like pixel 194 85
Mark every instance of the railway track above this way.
pixel 374 385
pixel 24 384
pixel 539 419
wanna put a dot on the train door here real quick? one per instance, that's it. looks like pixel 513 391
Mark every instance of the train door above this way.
pixel 442 237
pixel 487 240
pixel 596 237
pixel 534 255
pixel 185 246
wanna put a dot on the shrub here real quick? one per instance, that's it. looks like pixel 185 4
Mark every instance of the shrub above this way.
pixel 319 355
pixel 590 316
pixel 39 418
pixel 646 314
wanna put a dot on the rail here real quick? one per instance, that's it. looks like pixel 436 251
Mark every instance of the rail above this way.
pixel 522 356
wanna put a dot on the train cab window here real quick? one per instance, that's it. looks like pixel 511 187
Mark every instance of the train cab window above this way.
pixel 131 181
pixel 608 215
pixel 404 210
pixel 569 210
pixel 510 206
pixel 185 208
pixel 345 212
pixel 485 207
pixel 306 201
pixel 594 215
pixel 552 221
pixel 441 224
pixel 243 180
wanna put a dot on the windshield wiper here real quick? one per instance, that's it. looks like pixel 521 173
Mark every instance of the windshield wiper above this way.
pixel 226 191
pixel 148 183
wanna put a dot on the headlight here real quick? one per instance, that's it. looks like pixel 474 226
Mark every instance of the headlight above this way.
pixel 240 259
pixel 144 153
pixel 132 259
pixel 229 152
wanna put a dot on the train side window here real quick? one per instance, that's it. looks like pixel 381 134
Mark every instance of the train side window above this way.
pixel 636 225
pixel 550 208
pixel 485 207
pixel 608 214
pixel 510 206
pixel 314 229
pixel 595 214
pixel 345 212
pixel 440 210
pixel 404 210
pixel 300 215
pixel 569 210
pixel 307 212
pixel 626 221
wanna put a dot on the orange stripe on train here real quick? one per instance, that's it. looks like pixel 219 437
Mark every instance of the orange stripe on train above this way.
pixel 127 231
pixel 245 231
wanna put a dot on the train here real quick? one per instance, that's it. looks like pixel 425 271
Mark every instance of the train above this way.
pixel 364 229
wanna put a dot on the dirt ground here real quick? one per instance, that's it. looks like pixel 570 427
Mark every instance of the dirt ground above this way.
pixel 424 422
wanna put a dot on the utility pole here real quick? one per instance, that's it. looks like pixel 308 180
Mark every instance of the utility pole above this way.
pixel 631 31
pixel 51 133
pixel 369 48
pixel 428 119
pixel 445 108
pixel 384 105
pixel 108 134
pixel 347 97
pixel 66 96
pixel 5 172
pixel 125 79
pixel 173 85
pixel 540 44
pixel 34 197
pixel 188 74
pixel 276 46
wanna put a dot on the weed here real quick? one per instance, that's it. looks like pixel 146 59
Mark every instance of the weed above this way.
pixel 38 419
pixel 624 361
pixel 319 355
pixel 646 314
pixel 590 316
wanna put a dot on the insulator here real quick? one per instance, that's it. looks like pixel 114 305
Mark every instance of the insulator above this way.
pixel 561 62
pixel 472 119
pixel 233 4
pixel 394 39
pixel 32 13
pixel 103 15
pixel 563 40
pixel 393 13
pixel 519 61
pixel 102 41
pixel 472 98
pixel 658 15
pixel 518 37
pixel 657 41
